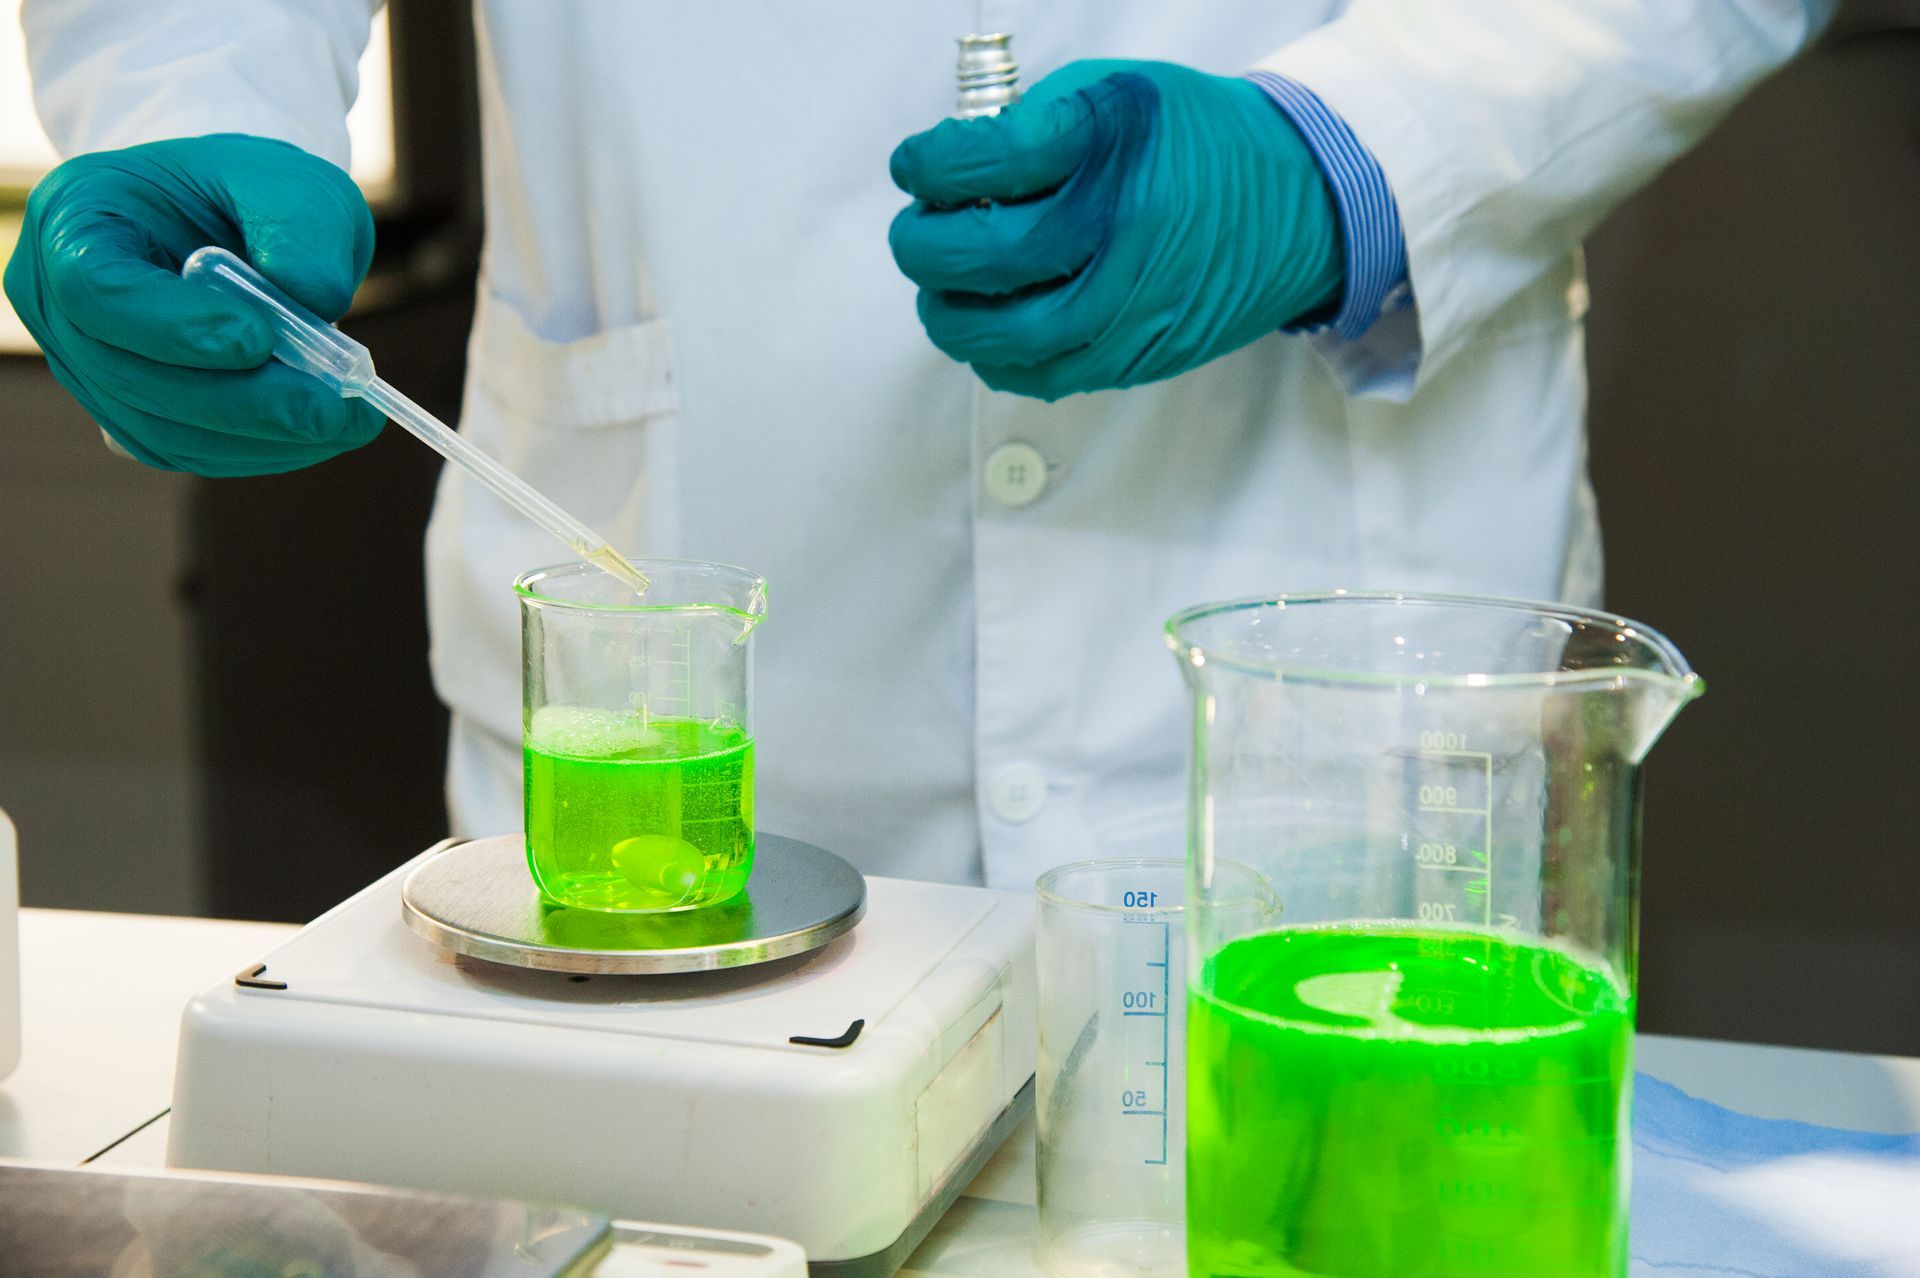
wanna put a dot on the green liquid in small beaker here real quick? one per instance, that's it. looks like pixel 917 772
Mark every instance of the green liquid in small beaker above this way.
pixel 633 814
pixel 1405 1104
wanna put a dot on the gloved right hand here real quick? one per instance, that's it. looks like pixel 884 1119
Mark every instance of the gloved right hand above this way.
pixel 179 374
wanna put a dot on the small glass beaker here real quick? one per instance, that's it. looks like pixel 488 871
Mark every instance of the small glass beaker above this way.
pixel 1428 1069
pixel 637 734
pixel 1109 1089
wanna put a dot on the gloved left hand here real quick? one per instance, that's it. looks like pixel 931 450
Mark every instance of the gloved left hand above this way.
pixel 1142 218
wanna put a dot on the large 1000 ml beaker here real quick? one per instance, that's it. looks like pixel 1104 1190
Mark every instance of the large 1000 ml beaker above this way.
pixel 1426 1069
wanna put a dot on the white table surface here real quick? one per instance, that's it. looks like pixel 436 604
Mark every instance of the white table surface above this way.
pixel 102 995
pixel 100 1003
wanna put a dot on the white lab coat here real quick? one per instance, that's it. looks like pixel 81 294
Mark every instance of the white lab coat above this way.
pixel 691 334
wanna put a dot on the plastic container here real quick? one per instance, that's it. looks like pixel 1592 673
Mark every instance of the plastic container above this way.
pixel 1109 1085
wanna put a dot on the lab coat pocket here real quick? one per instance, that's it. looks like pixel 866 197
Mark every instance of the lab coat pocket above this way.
pixel 590 423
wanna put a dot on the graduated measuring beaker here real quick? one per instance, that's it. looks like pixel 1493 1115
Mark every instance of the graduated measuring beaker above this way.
pixel 637 734
pixel 1426 1069
pixel 1111 964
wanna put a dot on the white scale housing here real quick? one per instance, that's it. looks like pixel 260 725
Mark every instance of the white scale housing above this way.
pixel 672 1098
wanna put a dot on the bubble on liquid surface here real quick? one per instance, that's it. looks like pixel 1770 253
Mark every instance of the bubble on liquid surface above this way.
pixel 586 731
pixel 660 863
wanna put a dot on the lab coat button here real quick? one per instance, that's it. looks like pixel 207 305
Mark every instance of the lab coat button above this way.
pixel 1016 474
pixel 1017 793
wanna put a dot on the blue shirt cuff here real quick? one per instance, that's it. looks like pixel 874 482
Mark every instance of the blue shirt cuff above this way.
pixel 1376 244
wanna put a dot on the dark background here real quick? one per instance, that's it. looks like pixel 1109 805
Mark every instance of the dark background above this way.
pixel 1755 396
pixel 257 653
pixel 1755 356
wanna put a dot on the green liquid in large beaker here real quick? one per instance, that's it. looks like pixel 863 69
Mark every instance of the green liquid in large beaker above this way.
pixel 1405 1104
pixel 637 815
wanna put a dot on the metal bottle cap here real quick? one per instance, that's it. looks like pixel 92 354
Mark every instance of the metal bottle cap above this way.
pixel 988 77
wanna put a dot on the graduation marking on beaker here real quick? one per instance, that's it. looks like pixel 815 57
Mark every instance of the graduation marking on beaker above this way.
pixel 1444 795
pixel 1151 1003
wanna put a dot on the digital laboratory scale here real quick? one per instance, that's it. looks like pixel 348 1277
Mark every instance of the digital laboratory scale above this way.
pixel 827 1058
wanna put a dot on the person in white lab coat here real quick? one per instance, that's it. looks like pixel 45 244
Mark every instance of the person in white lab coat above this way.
pixel 691 334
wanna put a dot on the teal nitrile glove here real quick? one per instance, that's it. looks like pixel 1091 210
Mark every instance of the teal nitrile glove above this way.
pixel 179 374
pixel 1144 219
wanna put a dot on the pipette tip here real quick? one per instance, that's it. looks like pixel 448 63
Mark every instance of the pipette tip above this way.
pixel 614 564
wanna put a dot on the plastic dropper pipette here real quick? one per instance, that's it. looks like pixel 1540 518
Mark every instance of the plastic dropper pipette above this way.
pixel 304 341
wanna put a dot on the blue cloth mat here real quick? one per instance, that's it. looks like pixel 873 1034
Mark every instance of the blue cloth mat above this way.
pixel 1720 1194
